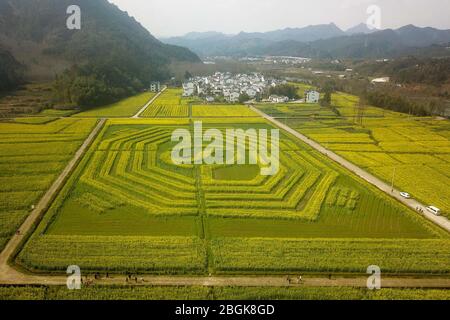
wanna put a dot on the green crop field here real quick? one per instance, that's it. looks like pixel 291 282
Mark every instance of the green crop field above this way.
pixel 283 111
pixel 169 104
pixel 215 293
pixel 201 111
pixel 414 151
pixel 124 108
pixel 128 207
pixel 31 156
pixel 302 88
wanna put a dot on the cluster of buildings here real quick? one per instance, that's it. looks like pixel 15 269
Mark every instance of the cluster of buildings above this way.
pixel 228 86
pixel 286 60
pixel 311 96
pixel 231 87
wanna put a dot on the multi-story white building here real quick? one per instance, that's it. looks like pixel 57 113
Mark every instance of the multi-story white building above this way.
pixel 188 89
pixel 312 96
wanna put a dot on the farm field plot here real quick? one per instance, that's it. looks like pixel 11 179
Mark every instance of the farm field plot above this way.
pixel 34 120
pixel 128 207
pixel 170 104
pixel 200 111
pixel 416 149
pixel 31 157
pixel 330 255
pixel 347 107
pixel 124 108
pixel 302 88
pixel 296 110
pixel 216 293
pixel 57 113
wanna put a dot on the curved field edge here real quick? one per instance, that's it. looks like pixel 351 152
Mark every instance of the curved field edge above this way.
pixel 215 293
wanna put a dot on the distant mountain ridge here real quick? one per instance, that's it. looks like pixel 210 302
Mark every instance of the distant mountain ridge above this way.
pixel 322 41
pixel 307 34
pixel 361 28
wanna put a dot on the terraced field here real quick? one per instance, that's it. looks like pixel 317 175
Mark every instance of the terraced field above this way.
pixel 128 207
pixel 413 151
pixel 31 157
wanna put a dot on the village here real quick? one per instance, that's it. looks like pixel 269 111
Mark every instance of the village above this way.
pixel 239 88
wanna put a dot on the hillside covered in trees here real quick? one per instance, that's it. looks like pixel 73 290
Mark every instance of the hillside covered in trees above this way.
pixel 110 57
pixel 432 71
pixel 11 71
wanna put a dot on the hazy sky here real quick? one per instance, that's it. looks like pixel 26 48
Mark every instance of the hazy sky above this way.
pixel 178 17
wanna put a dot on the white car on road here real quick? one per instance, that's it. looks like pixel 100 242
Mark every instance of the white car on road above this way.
pixel 434 210
pixel 405 195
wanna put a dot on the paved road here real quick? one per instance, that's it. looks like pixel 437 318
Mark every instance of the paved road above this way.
pixel 413 204
pixel 138 115
pixel 6 272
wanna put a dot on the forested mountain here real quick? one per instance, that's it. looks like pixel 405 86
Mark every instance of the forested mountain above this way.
pixel 331 42
pixel 11 71
pixel 111 56
pixel 410 70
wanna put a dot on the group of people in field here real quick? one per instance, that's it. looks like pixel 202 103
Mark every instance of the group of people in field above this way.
pixel 131 278
pixel 86 281
pixel 290 280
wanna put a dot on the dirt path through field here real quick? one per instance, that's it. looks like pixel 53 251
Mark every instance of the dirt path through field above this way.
pixel 140 112
pixel 15 278
pixel 443 222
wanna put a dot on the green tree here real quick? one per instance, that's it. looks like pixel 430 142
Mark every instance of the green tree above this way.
pixel 287 90
pixel 244 97
pixel 187 75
